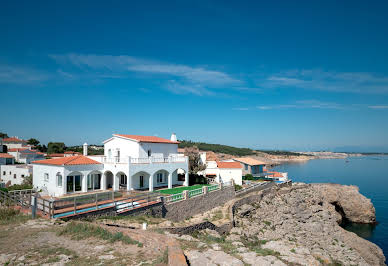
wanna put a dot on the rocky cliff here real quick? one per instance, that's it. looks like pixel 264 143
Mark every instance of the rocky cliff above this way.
pixel 297 225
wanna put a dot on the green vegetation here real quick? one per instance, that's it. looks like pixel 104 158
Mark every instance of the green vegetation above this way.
pixel 163 259
pixel 218 215
pixel 83 230
pixel 287 153
pixel 179 189
pixel 12 216
pixel 3 135
pixel 56 147
pixel 90 150
pixel 237 187
pixel 135 219
pixel 219 148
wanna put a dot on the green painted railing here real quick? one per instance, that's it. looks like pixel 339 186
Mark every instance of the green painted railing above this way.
pixel 212 188
pixel 195 192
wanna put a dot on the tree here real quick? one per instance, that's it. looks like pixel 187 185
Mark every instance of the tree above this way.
pixel 33 142
pixel 55 147
pixel 3 135
pixel 195 164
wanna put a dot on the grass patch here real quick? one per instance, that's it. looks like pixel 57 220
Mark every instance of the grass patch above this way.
pixel 163 259
pixel 82 230
pixel 254 244
pixel 12 216
pixel 179 189
pixel 218 215
pixel 135 219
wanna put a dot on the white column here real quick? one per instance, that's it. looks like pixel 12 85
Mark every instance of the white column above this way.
pixel 170 180
pixel 115 183
pixel 151 183
pixel 103 181
pixel 84 183
pixel 186 183
pixel 129 182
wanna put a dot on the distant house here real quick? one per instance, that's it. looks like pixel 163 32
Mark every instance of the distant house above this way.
pixel 15 142
pixel 251 166
pixel 70 153
pixel 6 158
pixel 14 174
pixel 25 155
pixel 222 172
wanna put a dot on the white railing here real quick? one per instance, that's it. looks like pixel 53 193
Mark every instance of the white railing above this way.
pixel 149 160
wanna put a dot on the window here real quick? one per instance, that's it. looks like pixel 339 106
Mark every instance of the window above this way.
pixel 109 153
pixel 22 176
pixel 3 172
pixel 46 177
pixel 14 176
pixel 59 180
pixel 123 179
pixel 159 178
pixel 10 173
pixel 246 167
pixel 149 153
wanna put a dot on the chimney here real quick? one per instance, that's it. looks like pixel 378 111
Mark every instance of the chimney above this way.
pixel 85 149
pixel 173 137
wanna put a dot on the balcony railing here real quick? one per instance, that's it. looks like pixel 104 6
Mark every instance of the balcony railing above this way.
pixel 149 160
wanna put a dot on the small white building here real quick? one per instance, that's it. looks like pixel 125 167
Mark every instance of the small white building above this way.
pixel 130 162
pixel 6 158
pixel 14 174
pixel 15 142
pixel 222 172
pixel 24 155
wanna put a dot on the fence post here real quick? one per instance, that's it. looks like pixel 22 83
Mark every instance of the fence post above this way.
pixel 221 185
pixel 96 201
pixel 204 190
pixel 185 194
pixel 75 206
pixel 33 207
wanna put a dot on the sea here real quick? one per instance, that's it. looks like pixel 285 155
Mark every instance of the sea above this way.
pixel 369 173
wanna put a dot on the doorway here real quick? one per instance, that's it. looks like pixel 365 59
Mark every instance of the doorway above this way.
pixel 141 181
pixel 73 183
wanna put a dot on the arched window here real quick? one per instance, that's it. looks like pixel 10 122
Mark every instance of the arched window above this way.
pixel 59 179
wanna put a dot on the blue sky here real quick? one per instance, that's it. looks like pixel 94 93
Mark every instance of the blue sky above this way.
pixel 298 75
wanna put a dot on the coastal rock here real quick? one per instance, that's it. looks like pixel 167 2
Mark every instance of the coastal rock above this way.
pixel 348 202
pixel 299 224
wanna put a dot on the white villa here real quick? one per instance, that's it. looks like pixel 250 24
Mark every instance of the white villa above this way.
pixel 129 162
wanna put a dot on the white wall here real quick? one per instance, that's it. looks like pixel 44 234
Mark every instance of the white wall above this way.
pixel 51 186
pixel 227 174
pixel 157 149
pixel 127 147
pixel 14 173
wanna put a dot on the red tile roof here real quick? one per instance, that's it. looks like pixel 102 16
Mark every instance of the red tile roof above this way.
pixel 5 155
pixel 275 174
pixel 151 139
pixel 229 165
pixel 13 139
pixel 56 155
pixel 72 152
pixel 17 149
pixel 72 160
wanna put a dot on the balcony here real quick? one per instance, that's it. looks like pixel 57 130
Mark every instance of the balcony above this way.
pixel 149 160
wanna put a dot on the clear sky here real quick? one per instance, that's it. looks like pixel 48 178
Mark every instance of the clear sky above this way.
pixel 276 74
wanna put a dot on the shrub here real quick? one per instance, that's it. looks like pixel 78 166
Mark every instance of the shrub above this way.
pixel 248 177
pixel 237 187
pixel 84 230
pixel 19 187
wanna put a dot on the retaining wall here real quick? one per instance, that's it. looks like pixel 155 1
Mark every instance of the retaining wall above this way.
pixel 184 209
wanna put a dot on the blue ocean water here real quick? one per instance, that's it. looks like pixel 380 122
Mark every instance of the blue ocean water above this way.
pixel 369 173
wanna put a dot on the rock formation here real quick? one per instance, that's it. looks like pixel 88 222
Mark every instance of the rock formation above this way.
pixel 296 225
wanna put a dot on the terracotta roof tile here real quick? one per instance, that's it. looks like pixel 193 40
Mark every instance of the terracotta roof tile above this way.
pixel 72 160
pixel 5 155
pixel 229 165
pixel 13 139
pixel 249 161
pixel 151 139
pixel 56 155
pixel 17 149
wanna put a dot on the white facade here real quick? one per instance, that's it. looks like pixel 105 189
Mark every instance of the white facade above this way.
pixel 14 174
pixel 127 164
pixel 222 175
pixel 26 156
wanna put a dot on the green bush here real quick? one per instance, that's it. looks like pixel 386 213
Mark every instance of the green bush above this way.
pixel 218 148
pixel 19 187
pixel 248 177
pixel 237 187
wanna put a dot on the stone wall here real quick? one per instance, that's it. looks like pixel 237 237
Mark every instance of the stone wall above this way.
pixel 187 208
